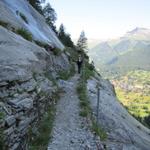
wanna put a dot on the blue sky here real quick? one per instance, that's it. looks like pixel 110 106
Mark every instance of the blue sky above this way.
pixel 102 19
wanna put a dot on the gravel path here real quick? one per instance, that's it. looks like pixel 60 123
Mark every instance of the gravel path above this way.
pixel 71 131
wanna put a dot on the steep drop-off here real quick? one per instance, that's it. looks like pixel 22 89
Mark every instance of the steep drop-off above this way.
pixel 27 85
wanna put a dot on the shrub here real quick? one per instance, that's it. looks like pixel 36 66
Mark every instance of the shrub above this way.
pixel 72 52
pixel 41 44
pixel 91 66
pixel 1 115
pixel 65 75
pixel 83 104
pixel 25 34
pixel 23 17
pixel 72 70
pixel 88 72
pixel 56 51
pixel 99 131
pixel 83 113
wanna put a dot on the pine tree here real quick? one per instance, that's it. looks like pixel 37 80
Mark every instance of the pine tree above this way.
pixel 50 16
pixel 82 42
pixel 61 31
pixel 65 37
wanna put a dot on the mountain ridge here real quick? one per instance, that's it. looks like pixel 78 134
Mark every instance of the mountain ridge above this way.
pixel 134 41
pixel 32 80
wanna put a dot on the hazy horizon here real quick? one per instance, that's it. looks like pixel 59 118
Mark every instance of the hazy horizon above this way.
pixel 102 19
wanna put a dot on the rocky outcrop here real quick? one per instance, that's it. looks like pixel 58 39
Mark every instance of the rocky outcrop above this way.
pixel 28 76
pixel 124 131
pixel 27 72
pixel 20 14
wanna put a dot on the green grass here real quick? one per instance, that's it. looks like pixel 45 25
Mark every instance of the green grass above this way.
pixel 65 75
pixel 99 131
pixel 87 112
pixel 40 142
pixel 83 113
pixel 88 71
pixel 84 102
pixel 25 34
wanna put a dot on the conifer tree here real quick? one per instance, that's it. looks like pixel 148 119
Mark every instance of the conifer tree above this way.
pixel 82 42
pixel 65 37
pixel 50 16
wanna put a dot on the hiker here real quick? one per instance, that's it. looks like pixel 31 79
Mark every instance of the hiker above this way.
pixel 79 63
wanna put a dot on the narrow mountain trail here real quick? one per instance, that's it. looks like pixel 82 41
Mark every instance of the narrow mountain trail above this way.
pixel 70 131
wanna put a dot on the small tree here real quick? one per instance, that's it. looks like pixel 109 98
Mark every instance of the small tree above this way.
pixel 65 37
pixel 82 42
pixel 61 31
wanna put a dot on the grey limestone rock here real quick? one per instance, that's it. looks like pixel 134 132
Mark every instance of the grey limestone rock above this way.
pixel 10 120
pixel 22 70
pixel 122 128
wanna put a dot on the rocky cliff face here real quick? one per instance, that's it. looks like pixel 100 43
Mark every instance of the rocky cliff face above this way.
pixel 25 90
pixel 27 72
pixel 124 131
pixel 20 14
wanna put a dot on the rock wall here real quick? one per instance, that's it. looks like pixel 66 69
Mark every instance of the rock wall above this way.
pixel 26 88
pixel 123 130
pixel 10 11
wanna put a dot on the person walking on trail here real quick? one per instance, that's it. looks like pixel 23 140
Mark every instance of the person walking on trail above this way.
pixel 79 63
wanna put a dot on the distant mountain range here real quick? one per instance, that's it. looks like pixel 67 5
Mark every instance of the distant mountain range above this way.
pixel 129 52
